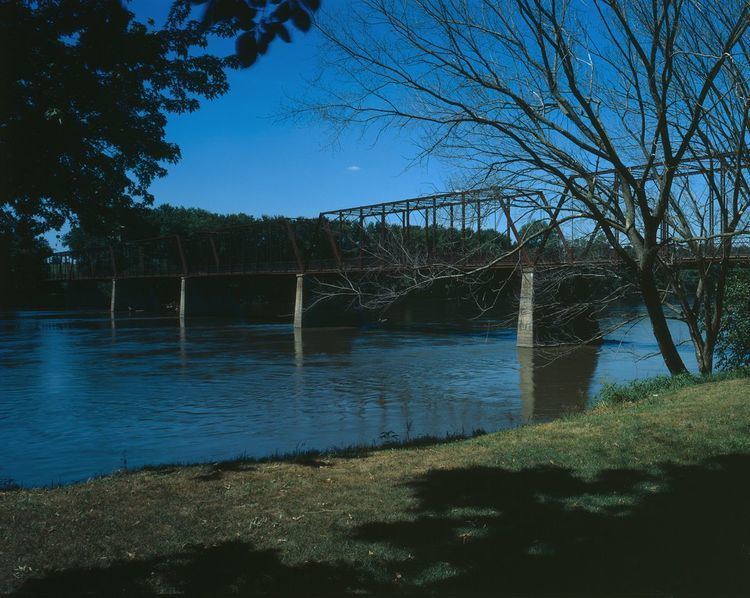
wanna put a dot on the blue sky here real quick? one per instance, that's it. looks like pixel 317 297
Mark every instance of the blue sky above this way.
pixel 238 157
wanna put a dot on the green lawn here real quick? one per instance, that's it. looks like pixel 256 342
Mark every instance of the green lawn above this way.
pixel 638 497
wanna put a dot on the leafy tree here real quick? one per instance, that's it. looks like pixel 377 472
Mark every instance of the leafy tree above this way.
pixel 86 94
pixel 238 237
pixel 539 233
pixel 21 264
pixel 85 91
pixel 733 345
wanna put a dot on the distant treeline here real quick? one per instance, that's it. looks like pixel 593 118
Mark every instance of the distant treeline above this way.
pixel 160 221
pixel 189 223
pixel 22 254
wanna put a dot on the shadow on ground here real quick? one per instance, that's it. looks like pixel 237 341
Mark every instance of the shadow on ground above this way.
pixel 675 529
pixel 683 528
pixel 227 569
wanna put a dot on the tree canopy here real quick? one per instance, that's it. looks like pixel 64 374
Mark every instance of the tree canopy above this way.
pixel 156 222
pixel 87 90
pixel 733 345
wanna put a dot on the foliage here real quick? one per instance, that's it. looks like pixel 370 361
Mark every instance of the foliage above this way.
pixel 155 222
pixel 22 273
pixel 640 390
pixel 541 237
pixel 87 93
pixel 253 233
pixel 261 21
pixel 733 345
pixel 235 236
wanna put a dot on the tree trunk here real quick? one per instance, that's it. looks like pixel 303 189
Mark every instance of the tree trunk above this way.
pixel 663 336
pixel 706 358
pixel 705 365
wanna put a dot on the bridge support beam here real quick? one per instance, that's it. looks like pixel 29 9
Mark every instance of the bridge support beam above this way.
pixel 526 336
pixel 298 300
pixel 113 297
pixel 183 297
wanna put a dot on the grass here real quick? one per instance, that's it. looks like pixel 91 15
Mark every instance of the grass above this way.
pixel 639 390
pixel 632 497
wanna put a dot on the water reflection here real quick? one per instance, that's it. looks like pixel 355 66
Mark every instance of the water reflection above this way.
pixel 79 390
pixel 183 343
pixel 299 348
pixel 555 381
pixel 323 341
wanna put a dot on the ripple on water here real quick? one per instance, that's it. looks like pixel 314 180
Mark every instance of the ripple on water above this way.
pixel 81 395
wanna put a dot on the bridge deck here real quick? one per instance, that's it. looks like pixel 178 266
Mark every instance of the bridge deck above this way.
pixel 72 273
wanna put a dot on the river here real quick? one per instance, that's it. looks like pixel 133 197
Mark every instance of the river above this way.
pixel 82 395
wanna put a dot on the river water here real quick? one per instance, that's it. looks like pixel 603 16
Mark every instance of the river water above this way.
pixel 81 394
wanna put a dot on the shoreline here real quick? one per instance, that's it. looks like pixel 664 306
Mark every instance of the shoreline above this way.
pixel 355 451
pixel 513 510
pixel 610 394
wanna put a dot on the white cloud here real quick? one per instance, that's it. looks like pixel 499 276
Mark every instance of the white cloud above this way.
pixel 353 168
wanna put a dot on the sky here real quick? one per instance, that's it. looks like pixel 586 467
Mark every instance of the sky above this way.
pixel 238 156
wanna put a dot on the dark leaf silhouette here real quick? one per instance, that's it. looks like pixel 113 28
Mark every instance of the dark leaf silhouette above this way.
pixel 259 21
pixel 282 32
pixel 247 48
pixel 85 102
pixel 301 20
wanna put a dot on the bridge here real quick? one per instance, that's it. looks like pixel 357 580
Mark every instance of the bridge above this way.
pixel 490 228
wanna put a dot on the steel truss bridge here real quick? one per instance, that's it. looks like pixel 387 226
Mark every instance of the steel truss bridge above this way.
pixel 466 229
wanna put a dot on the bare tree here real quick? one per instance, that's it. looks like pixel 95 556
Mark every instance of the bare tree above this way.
pixel 634 111
pixel 471 243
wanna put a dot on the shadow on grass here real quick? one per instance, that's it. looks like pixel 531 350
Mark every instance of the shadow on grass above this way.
pixel 544 530
pixel 674 529
pixel 227 569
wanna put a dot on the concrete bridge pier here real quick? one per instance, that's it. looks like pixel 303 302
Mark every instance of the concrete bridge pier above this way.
pixel 526 336
pixel 313 312
pixel 299 301
pixel 183 297
pixel 299 348
pixel 539 325
pixel 113 298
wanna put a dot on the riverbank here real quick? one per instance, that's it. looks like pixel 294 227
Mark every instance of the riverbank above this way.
pixel 632 497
